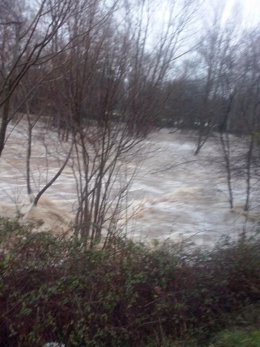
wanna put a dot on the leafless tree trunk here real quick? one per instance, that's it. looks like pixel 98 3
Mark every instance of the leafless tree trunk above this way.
pixel 54 178
pixel 249 173
pixel 112 100
pixel 225 145
pixel 4 123
pixel 24 43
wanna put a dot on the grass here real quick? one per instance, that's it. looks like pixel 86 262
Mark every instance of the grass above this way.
pixel 51 289
pixel 238 338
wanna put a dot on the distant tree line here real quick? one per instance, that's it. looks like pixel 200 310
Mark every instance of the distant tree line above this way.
pixel 224 94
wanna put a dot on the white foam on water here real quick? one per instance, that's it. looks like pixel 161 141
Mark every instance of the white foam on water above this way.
pixel 175 195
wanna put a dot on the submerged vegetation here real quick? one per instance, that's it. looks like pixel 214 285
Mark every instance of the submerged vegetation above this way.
pixel 52 289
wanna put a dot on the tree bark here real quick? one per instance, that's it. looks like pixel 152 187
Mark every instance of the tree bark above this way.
pixel 4 124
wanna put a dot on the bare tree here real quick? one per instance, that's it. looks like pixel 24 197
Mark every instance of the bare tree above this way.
pixel 109 98
pixel 97 69
pixel 25 37
pixel 248 108
pixel 234 94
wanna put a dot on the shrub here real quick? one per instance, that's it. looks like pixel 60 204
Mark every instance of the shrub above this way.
pixel 51 289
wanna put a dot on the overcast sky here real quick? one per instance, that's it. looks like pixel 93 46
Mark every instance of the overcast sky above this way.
pixel 249 9
pixel 245 12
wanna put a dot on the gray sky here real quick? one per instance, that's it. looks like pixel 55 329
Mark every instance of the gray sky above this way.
pixel 250 10
pixel 245 12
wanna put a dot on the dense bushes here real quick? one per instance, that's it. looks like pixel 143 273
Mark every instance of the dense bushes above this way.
pixel 53 290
